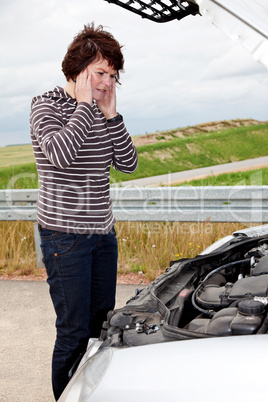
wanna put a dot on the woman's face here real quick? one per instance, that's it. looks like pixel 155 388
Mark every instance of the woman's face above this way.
pixel 102 76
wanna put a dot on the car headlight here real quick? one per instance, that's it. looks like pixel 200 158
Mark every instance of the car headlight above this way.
pixel 87 377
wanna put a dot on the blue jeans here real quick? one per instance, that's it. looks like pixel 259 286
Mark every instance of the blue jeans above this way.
pixel 81 273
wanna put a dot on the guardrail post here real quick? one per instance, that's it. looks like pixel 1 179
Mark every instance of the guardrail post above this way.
pixel 37 242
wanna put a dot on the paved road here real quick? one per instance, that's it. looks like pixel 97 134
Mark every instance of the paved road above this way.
pixel 27 335
pixel 188 175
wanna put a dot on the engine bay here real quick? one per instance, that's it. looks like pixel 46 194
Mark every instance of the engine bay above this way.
pixel 232 299
pixel 223 293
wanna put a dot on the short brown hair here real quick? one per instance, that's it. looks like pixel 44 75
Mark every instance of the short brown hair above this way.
pixel 90 45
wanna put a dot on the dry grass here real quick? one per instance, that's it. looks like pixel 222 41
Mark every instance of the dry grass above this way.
pixel 16 155
pixel 149 247
pixel 146 247
pixel 17 250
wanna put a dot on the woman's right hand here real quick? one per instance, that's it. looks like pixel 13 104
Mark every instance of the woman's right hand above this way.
pixel 83 91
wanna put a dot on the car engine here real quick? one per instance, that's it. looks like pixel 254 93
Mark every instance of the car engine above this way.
pixel 222 293
pixel 234 302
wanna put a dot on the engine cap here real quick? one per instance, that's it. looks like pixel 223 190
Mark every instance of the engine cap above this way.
pixel 251 307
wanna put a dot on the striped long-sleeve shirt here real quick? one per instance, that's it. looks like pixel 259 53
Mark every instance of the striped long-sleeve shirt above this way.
pixel 74 148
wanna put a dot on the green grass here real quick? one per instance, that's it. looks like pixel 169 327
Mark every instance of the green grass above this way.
pixel 19 176
pixel 199 150
pixel 173 155
pixel 258 177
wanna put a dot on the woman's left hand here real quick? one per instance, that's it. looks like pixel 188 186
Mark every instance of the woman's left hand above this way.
pixel 108 104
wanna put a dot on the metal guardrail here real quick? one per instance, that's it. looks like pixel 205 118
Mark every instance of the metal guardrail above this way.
pixel 18 205
pixel 184 204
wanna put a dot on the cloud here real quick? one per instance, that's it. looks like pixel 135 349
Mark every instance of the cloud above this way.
pixel 233 63
pixel 176 74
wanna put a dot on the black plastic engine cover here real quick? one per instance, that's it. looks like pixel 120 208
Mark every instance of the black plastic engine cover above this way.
pixel 254 286
pixel 215 296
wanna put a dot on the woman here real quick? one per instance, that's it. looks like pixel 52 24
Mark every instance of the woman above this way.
pixel 77 134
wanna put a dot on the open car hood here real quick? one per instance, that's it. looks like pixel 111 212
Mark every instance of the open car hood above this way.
pixel 242 20
pixel 245 21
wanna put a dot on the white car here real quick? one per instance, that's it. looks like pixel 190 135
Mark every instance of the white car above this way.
pixel 198 332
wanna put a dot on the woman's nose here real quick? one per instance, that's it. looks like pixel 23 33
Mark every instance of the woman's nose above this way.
pixel 107 81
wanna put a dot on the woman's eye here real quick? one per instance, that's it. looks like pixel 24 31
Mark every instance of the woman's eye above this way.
pixel 100 73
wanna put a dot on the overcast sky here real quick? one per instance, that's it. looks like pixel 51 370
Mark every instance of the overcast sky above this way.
pixel 177 74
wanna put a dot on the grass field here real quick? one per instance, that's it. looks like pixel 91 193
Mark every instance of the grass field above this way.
pixel 162 157
pixel 145 247
pixel 258 177
pixel 16 155
pixel 199 150
pixel 19 176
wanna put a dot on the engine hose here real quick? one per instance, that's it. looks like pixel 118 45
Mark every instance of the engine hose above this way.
pixel 210 313
pixel 230 264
